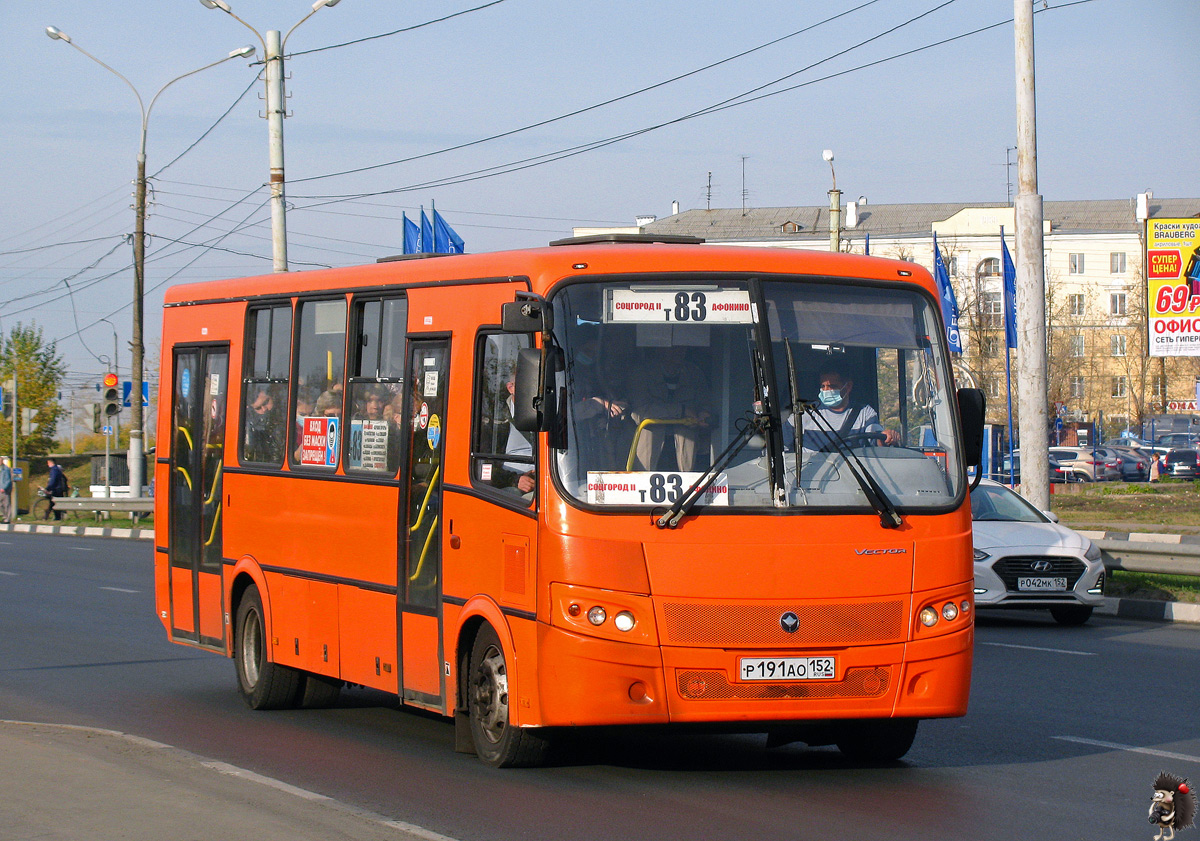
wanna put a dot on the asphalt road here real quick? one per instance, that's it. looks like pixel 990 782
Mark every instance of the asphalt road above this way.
pixel 1066 730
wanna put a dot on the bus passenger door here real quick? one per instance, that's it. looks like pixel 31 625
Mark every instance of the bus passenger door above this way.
pixel 422 682
pixel 194 544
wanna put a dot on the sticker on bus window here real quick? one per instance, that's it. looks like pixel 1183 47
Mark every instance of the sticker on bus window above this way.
pixel 651 488
pixel 214 385
pixel 434 434
pixel 678 306
pixel 368 445
pixel 318 443
pixel 422 418
pixel 431 384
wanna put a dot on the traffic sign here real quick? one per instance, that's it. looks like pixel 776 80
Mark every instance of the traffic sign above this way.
pixel 127 389
pixel 107 430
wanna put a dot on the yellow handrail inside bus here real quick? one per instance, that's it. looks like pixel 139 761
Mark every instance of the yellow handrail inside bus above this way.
pixel 647 422
pixel 216 478
pixel 186 435
pixel 186 477
pixel 212 534
pixel 424 550
pixel 425 502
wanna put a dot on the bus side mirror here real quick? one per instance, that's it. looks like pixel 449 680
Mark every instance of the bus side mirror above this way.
pixel 534 407
pixel 525 315
pixel 971 405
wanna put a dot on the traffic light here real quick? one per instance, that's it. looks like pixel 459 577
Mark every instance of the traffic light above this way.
pixel 112 396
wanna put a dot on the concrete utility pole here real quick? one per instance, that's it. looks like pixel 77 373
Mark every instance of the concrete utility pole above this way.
pixel 1032 392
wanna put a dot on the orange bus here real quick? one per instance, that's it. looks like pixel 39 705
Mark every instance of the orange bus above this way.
pixel 608 482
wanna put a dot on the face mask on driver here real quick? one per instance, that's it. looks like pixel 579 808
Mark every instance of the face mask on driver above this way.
pixel 830 397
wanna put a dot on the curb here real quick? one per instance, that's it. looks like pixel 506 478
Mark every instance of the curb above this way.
pixel 1148 609
pixel 77 531
pixel 1142 537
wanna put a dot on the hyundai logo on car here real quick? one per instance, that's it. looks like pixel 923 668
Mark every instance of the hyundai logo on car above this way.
pixel 1041 566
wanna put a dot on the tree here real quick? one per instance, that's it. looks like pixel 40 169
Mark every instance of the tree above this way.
pixel 39 373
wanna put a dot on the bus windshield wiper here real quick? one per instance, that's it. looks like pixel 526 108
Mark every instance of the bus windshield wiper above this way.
pixel 758 424
pixel 889 518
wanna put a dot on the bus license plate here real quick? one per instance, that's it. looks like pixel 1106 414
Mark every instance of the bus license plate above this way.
pixel 787 668
pixel 1043 584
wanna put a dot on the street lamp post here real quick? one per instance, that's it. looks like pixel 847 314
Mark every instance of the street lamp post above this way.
pixel 273 52
pixel 835 207
pixel 137 456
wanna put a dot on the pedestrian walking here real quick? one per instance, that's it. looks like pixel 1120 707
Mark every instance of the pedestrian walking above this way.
pixel 6 490
pixel 1155 468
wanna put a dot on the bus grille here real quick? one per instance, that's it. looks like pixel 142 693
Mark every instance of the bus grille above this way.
pixel 758 625
pixel 1010 568
pixel 712 685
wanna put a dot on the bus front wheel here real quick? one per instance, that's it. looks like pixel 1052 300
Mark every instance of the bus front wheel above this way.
pixel 497 742
pixel 264 685
pixel 877 740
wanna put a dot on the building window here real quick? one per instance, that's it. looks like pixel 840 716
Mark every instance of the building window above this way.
pixel 988 268
pixel 1078 388
pixel 1076 263
pixel 1118 345
pixel 993 310
pixel 1156 387
pixel 1076 304
pixel 1116 303
pixel 991 346
pixel 1077 347
pixel 993 389
pixel 1116 262
pixel 952 267
pixel 1118 387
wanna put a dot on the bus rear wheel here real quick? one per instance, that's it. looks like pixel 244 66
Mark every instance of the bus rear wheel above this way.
pixel 264 685
pixel 497 742
pixel 877 740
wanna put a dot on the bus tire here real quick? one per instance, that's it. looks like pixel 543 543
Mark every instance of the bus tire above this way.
pixel 497 742
pixel 264 685
pixel 317 692
pixel 877 740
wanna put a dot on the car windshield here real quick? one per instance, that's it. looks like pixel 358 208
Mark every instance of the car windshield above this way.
pixel 665 380
pixel 992 502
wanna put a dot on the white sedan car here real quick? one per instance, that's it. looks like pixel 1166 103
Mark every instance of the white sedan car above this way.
pixel 1025 559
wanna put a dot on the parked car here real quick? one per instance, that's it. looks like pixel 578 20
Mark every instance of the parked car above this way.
pixel 1058 473
pixel 1024 559
pixel 1176 440
pixel 1130 442
pixel 1182 464
pixel 1089 465
pixel 1135 466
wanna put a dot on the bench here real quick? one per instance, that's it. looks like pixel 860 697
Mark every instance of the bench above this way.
pixel 101 506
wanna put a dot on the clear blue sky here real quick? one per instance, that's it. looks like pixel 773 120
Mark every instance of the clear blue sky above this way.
pixel 1117 114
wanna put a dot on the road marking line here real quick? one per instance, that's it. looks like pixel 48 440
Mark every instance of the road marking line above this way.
pixel 3 572
pixel 1039 648
pixel 120 590
pixel 1166 754
pixel 82 549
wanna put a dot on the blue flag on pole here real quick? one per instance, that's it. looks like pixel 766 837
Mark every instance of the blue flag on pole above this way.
pixel 426 234
pixel 412 236
pixel 1010 294
pixel 445 240
pixel 946 294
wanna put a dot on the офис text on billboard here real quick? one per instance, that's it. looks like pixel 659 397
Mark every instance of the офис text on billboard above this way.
pixel 1173 286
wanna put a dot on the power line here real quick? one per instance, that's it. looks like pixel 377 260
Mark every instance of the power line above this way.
pixel 396 31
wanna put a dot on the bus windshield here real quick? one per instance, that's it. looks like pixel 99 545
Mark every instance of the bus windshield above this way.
pixel 774 392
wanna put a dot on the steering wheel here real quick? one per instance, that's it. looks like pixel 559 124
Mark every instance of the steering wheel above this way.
pixel 873 439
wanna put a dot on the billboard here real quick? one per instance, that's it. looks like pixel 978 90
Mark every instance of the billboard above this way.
pixel 1173 286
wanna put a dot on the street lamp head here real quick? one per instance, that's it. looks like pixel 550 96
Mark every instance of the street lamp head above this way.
pixel 827 155
pixel 241 52
pixel 325 4
pixel 57 34
pixel 216 4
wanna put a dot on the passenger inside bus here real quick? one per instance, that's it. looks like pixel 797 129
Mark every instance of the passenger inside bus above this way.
pixel 669 404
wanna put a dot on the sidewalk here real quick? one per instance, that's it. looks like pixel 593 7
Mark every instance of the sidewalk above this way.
pixel 76 530
pixel 68 783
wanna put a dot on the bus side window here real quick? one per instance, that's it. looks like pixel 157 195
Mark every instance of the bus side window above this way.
pixel 376 419
pixel 264 385
pixel 320 371
pixel 502 456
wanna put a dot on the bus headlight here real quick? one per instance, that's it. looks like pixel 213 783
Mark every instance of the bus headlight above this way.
pixel 597 615
pixel 929 617
pixel 624 621
pixel 949 611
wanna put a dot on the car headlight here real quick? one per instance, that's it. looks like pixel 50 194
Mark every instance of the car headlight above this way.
pixel 1093 552
pixel 981 555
